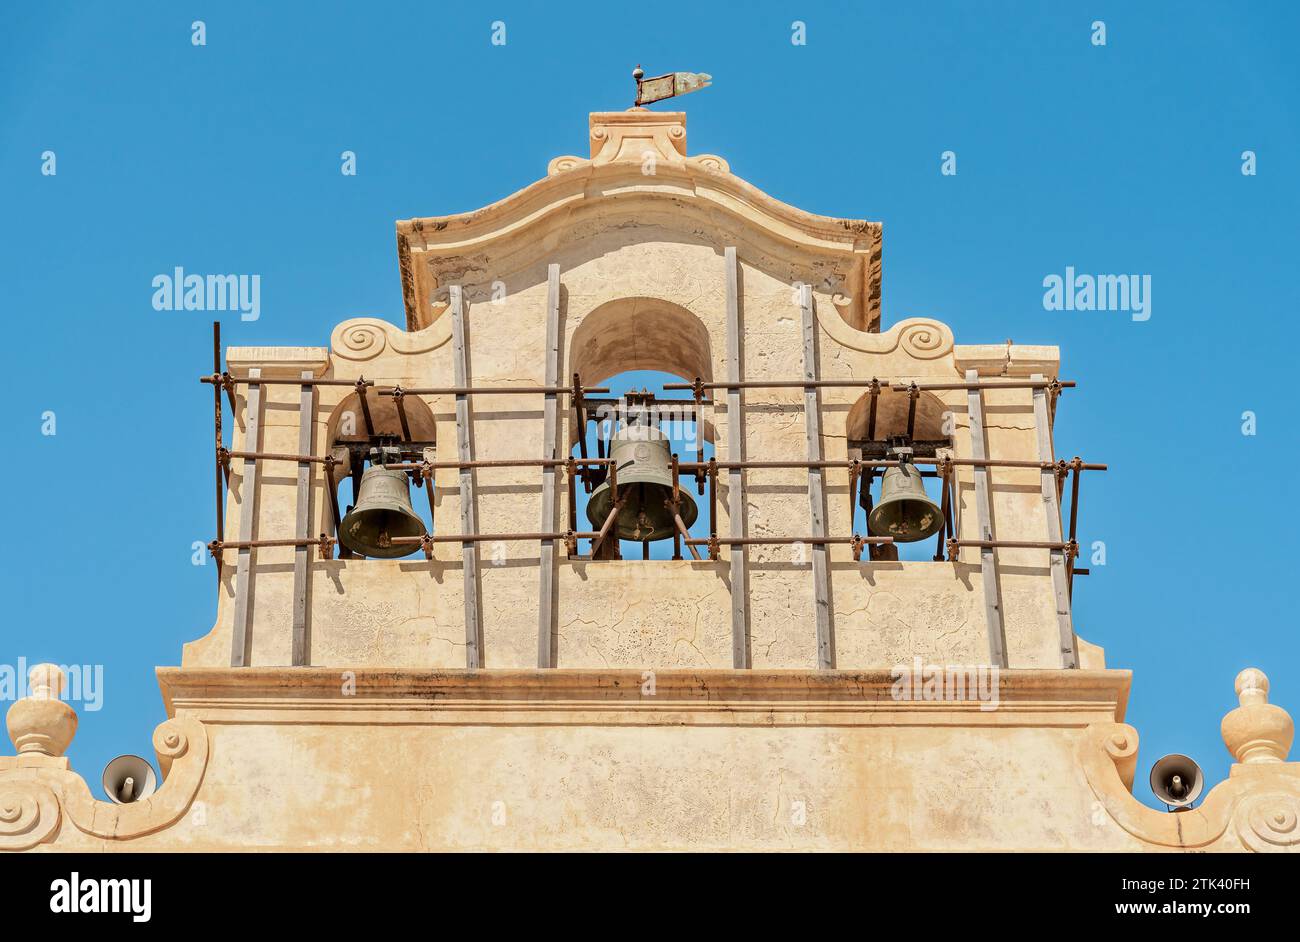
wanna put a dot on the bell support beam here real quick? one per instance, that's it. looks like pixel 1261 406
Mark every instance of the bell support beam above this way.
pixel 984 522
pixel 243 617
pixel 302 511
pixel 468 522
pixel 816 486
pixel 550 418
pixel 740 652
pixel 1060 558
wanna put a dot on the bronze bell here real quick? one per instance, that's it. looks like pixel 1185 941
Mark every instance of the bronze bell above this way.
pixel 905 511
pixel 645 480
pixel 382 511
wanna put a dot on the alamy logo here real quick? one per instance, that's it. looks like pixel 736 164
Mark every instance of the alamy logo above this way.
pixel 951 682
pixel 1098 293
pixel 83 683
pixel 181 292
pixel 75 895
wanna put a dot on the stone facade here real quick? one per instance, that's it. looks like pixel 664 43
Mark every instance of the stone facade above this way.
pixel 644 734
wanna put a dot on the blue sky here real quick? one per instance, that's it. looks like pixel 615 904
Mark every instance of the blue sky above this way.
pixel 225 158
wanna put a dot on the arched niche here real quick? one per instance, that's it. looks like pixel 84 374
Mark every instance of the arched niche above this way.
pixel 347 423
pixel 641 333
pixel 892 408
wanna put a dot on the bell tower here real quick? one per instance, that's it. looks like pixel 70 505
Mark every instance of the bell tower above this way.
pixel 869 593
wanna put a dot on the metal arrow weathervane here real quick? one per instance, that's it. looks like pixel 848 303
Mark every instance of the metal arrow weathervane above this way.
pixel 659 87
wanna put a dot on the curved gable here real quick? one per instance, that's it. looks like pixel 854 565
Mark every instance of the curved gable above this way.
pixel 638 173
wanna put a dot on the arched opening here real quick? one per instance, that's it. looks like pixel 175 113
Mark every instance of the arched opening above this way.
pixel 635 346
pixel 371 433
pixel 893 424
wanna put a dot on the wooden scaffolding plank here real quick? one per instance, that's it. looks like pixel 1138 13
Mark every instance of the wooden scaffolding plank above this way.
pixel 816 487
pixel 464 450
pixel 1052 507
pixel 550 416
pixel 302 554
pixel 740 656
pixel 984 518
pixel 239 646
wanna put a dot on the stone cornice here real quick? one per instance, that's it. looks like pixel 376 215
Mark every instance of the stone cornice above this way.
pixel 277 362
pixel 1075 698
pixel 1007 359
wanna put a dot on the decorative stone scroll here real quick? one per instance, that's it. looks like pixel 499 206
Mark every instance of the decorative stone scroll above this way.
pixel 1259 804
pixel 38 789
pixel 364 338
pixel 919 337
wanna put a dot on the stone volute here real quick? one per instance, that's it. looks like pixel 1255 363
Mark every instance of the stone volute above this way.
pixel 1257 731
pixel 40 723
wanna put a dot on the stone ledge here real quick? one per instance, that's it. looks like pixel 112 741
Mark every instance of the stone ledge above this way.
pixel 682 697
pixel 277 362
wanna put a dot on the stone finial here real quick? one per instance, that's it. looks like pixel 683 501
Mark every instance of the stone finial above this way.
pixel 40 723
pixel 1257 731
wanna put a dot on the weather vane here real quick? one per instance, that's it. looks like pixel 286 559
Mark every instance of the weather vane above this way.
pixel 659 87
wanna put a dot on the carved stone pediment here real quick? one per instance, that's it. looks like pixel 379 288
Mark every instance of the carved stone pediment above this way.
pixel 638 174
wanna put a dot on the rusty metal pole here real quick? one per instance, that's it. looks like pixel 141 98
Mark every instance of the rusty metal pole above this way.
pixel 871 418
pixel 913 394
pixel 618 505
pixel 1075 465
pixel 427 474
pixel 332 488
pixel 674 503
pixel 580 424
pixel 216 403
pixel 945 509
pixel 713 509
pixel 361 385
pixel 399 395
pixel 571 468
pixel 855 471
